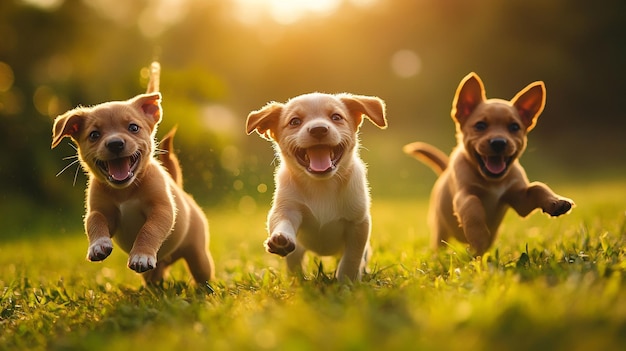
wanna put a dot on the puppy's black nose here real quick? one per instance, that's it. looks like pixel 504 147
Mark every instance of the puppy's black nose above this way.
pixel 115 145
pixel 497 144
pixel 318 131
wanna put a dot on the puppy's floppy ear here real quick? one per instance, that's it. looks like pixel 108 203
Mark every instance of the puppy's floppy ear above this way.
pixel 68 124
pixel 264 120
pixel 530 102
pixel 371 107
pixel 469 94
pixel 150 105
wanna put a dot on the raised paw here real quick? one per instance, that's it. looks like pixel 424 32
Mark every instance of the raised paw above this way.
pixel 279 244
pixel 559 207
pixel 100 249
pixel 141 262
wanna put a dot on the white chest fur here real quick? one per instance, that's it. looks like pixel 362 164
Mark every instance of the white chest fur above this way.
pixel 329 210
pixel 132 217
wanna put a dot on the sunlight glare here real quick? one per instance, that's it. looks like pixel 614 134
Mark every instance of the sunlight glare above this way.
pixel 44 4
pixel 162 14
pixel 283 11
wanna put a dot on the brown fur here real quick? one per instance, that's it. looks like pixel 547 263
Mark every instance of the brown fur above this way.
pixel 168 159
pixel 131 198
pixel 482 178
pixel 322 198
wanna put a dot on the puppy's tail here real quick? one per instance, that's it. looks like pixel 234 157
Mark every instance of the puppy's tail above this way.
pixel 430 155
pixel 168 158
pixel 155 74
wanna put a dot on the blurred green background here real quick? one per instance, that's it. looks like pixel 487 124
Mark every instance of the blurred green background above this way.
pixel 222 59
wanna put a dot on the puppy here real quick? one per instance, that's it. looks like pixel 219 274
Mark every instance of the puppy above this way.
pixel 131 197
pixel 483 176
pixel 322 201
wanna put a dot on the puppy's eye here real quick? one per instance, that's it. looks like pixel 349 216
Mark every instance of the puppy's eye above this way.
pixel 133 128
pixel 514 127
pixel 94 135
pixel 336 117
pixel 480 126
pixel 295 121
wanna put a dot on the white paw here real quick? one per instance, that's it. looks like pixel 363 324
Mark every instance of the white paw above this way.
pixel 141 263
pixel 279 244
pixel 100 249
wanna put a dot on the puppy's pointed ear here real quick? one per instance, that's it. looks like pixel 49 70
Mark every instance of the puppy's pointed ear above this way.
pixel 372 107
pixel 150 105
pixel 469 94
pixel 264 121
pixel 68 124
pixel 530 102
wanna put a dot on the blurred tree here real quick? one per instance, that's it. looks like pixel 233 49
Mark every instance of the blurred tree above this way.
pixel 57 54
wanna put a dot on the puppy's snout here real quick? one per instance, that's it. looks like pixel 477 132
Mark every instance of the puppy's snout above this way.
pixel 318 131
pixel 115 145
pixel 498 144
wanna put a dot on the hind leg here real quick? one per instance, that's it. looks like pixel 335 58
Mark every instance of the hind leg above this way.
pixel 200 264
pixel 367 255
pixel 439 233
pixel 352 262
pixel 156 275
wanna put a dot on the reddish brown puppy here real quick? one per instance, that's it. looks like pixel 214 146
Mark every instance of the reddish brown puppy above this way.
pixel 131 198
pixel 482 177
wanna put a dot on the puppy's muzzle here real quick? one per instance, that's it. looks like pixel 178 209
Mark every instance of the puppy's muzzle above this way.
pixel 119 170
pixel 498 145
pixel 496 164
pixel 319 131
pixel 116 146
pixel 319 159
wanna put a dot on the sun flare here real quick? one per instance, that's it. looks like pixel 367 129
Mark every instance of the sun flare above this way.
pixel 287 11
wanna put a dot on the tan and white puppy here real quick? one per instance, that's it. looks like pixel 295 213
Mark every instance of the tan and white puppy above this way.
pixel 322 201
pixel 482 178
pixel 131 197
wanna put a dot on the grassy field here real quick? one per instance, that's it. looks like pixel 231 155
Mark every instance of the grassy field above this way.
pixel 553 284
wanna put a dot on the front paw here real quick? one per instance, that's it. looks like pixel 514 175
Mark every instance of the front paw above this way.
pixel 279 244
pixel 558 207
pixel 141 262
pixel 99 249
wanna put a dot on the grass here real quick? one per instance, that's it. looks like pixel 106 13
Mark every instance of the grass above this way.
pixel 553 284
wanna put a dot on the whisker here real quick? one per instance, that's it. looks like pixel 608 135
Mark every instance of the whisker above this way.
pixel 76 161
pixel 66 167
pixel 160 151
pixel 275 161
pixel 75 174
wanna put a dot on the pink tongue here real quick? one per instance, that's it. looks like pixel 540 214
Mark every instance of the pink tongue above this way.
pixel 119 169
pixel 319 159
pixel 495 164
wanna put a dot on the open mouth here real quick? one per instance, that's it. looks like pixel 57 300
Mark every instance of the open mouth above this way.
pixel 320 159
pixel 120 170
pixel 494 166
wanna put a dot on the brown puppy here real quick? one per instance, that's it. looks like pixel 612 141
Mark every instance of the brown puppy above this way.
pixel 483 177
pixel 322 201
pixel 131 197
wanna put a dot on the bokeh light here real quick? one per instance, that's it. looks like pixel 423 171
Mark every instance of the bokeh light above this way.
pixel 222 59
pixel 6 77
pixel 406 63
